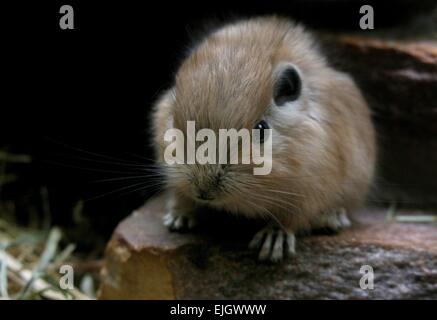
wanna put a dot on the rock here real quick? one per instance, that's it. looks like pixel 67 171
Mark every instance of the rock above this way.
pixel 398 78
pixel 146 261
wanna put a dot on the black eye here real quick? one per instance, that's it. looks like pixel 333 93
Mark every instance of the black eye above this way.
pixel 262 125
pixel 287 87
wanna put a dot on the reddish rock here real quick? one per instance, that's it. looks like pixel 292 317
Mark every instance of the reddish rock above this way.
pixel 145 261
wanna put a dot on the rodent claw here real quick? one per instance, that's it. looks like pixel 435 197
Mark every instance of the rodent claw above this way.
pixel 335 220
pixel 264 253
pixel 179 222
pixel 274 244
pixel 344 220
pixel 291 243
pixel 257 239
pixel 278 247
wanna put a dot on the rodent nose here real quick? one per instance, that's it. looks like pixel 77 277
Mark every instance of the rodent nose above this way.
pixel 207 188
pixel 204 195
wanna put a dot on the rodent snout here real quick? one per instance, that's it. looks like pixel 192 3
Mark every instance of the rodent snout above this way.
pixel 207 187
pixel 204 195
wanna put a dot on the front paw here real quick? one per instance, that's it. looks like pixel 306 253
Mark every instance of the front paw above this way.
pixel 180 221
pixel 335 220
pixel 274 243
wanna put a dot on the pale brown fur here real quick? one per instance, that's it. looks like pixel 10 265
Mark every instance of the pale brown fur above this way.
pixel 323 146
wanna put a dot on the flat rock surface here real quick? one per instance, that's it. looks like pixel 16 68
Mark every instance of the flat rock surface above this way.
pixel 146 261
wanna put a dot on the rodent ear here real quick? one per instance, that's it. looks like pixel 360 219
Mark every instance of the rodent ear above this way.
pixel 287 85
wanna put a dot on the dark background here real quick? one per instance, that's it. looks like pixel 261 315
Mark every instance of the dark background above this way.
pixel 91 88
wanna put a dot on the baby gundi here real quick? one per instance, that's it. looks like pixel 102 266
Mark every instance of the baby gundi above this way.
pixel 267 73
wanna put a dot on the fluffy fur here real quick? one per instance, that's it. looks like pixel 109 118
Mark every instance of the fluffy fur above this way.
pixel 323 143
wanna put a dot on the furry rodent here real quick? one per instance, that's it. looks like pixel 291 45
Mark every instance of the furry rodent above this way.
pixel 323 139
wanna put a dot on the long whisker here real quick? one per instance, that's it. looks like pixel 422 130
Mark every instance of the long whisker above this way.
pixel 159 189
pixel 150 176
pixel 143 158
pixel 287 206
pixel 89 152
pixel 121 189
pixel 89 169
pixel 272 201
pixel 285 192
pixel 262 208
pixel 119 162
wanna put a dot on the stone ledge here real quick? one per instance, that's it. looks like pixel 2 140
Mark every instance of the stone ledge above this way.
pixel 145 261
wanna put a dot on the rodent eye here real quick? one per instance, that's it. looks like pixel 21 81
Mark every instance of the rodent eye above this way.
pixel 262 125
pixel 287 87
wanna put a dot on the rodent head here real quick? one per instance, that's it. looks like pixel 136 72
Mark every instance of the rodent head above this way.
pixel 251 74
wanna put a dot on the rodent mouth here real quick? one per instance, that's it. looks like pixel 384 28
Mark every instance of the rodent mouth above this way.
pixel 204 198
